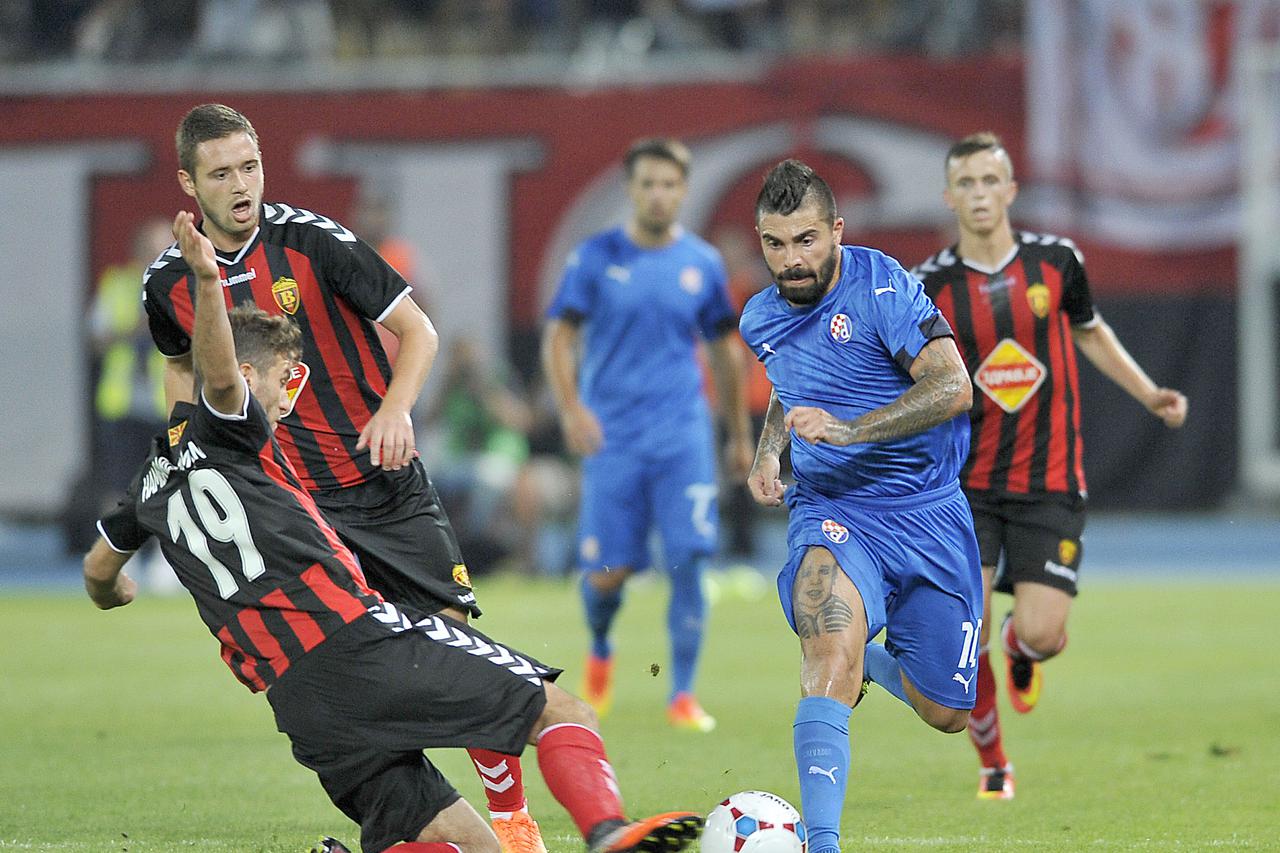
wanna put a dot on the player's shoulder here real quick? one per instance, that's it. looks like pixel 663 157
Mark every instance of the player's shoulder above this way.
pixel 1050 246
pixel 701 248
pixel 938 265
pixel 597 248
pixel 758 307
pixel 299 227
pixel 168 268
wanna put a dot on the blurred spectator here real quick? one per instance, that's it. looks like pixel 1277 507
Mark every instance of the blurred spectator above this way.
pixel 746 276
pixel 737 24
pixel 479 447
pixel 136 30
pixel 278 30
pixel 129 398
pixel 600 33
pixel 374 220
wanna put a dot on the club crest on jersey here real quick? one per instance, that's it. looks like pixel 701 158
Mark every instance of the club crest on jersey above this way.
pixel 835 531
pixel 460 576
pixel 691 280
pixel 841 328
pixel 1038 299
pixel 298 375
pixel 1010 375
pixel 285 291
pixel 1068 550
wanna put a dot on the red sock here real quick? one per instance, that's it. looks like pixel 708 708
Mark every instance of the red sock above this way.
pixel 984 721
pixel 579 775
pixel 502 778
pixel 423 847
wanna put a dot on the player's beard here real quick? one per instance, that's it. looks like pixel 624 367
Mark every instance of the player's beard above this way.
pixel 808 294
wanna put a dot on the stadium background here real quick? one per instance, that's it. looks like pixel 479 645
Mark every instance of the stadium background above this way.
pixel 494 127
pixel 1124 122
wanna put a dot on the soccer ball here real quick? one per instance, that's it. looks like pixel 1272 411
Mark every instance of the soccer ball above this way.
pixel 754 822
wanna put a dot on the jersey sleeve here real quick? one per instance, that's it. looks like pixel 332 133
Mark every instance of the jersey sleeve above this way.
pixel 716 316
pixel 170 338
pixel 356 272
pixel 244 432
pixel 119 527
pixel 905 317
pixel 1077 302
pixel 576 296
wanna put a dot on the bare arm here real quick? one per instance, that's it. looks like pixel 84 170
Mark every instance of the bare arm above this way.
pixel 582 432
pixel 764 484
pixel 727 368
pixel 179 381
pixel 389 433
pixel 104 579
pixel 213 349
pixel 941 391
pixel 1103 349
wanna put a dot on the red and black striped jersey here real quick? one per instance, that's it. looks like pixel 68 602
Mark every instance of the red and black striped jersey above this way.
pixel 335 286
pixel 270 577
pixel 1012 326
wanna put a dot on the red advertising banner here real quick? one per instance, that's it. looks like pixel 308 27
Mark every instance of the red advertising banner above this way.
pixel 518 173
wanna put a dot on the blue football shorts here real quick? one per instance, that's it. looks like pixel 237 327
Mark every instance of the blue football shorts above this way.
pixel 914 561
pixel 629 490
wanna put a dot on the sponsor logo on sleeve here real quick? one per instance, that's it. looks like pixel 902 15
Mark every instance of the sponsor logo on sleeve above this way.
pixel 460 576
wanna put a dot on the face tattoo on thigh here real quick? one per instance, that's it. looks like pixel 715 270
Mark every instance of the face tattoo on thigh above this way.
pixel 816 607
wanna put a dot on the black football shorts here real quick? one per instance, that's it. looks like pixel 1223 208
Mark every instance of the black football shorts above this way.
pixel 360 708
pixel 396 526
pixel 1030 538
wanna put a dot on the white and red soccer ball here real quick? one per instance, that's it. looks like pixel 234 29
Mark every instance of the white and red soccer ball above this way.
pixel 754 822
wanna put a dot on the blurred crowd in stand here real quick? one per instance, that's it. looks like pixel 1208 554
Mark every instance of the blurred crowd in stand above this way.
pixel 128 31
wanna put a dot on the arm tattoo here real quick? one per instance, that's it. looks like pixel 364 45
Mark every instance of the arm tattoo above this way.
pixel 941 391
pixel 773 437
pixel 815 606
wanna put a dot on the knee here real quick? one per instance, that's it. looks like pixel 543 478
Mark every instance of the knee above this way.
pixel 947 720
pixel 563 707
pixel 607 580
pixel 1046 640
pixel 831 671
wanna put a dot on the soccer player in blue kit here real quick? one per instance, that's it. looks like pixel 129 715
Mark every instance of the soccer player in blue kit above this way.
pixel 869 386
pixel 634 300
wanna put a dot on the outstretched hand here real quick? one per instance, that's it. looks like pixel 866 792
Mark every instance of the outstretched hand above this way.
pixel 197 249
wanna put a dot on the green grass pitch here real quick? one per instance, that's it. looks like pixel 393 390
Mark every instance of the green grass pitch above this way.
pixel 1159 728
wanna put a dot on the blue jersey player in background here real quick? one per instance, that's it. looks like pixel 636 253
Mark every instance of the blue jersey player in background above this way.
pixel 620 353
pixel 871 393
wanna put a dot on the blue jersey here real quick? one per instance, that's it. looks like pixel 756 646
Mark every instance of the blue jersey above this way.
pixel 850 354
pixel 643 310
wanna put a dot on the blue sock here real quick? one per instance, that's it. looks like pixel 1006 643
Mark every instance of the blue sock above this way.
pixel 601 607
pixel 686 613
pixel 821 738
pixel 883 668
